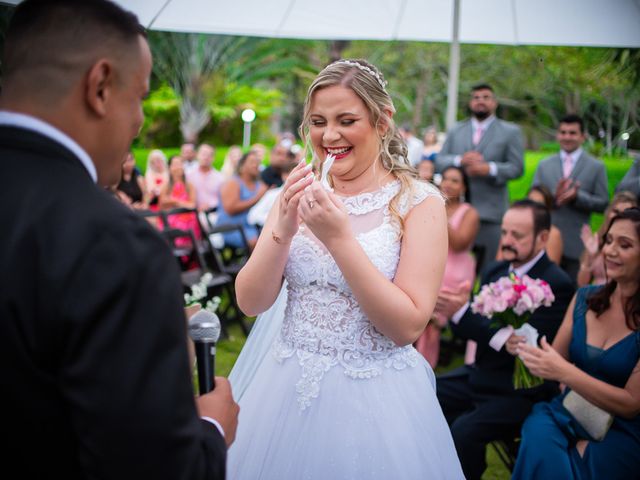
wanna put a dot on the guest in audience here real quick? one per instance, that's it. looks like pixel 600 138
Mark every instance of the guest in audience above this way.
pixel 479 400
pixel 579 182
pixel 188 155
pixel 205 179
pixel 286 139
pixel 631 180
pixel 237 196
pixel 179 193
pixel 542 195
pixel 272 175
pixel 595 354
pixel 463 224
pixel 414 144
pixel 426 169
pixel 156 176
pixel 491 151
pixel 298 153
pixel 260 151
pixel 592 269
pixel 431 146
pixel 231 161
pixel 132 186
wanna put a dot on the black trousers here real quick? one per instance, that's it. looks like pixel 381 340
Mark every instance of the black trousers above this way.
pixel 476 419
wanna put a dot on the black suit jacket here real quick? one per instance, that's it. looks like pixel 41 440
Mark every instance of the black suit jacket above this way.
pixel 94 366
pixel 493 371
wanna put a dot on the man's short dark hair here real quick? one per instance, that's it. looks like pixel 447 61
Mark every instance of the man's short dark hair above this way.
pixel 56 34
pixel 482 86
pixel 541 215
pixel 573 118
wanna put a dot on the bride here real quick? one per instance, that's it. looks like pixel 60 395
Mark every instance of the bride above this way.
pixel 340 392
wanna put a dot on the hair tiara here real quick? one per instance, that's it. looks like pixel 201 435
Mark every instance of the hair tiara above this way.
pixel 365 69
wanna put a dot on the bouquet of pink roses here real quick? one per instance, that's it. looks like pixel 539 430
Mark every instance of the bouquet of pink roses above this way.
pixel 511 301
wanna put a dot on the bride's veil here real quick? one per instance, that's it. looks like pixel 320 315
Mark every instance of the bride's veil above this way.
pixel 258 343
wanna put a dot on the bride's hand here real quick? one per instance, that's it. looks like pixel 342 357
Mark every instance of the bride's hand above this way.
pixel 325 215
pixel 288 221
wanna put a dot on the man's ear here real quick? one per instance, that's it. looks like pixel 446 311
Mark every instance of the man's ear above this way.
pixel 100 81
pixel 543 236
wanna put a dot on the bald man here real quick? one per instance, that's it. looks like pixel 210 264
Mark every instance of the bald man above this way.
pixel 94 363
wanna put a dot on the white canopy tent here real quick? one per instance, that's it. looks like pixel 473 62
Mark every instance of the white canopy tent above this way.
pixel 601 23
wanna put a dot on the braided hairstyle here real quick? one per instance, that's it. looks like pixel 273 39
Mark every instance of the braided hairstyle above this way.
pixel 368 83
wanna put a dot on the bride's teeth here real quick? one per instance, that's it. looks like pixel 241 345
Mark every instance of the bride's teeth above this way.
pixel 337 151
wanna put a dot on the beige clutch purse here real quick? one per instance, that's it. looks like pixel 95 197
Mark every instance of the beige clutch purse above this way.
pixel 593 419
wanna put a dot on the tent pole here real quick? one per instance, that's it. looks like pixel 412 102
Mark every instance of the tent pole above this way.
pixel 454 68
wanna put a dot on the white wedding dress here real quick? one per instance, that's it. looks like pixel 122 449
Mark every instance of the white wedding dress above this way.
pixel 331 397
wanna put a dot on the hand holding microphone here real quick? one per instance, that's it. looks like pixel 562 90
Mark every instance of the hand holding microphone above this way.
pixel 204 330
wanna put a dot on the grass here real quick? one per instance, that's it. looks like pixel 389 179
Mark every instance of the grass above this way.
pixel 229 348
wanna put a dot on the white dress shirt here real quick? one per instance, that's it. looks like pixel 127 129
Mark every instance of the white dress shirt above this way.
pixel 484 124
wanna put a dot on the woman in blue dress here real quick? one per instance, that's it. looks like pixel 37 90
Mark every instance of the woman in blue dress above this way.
pixel 595 353
pixel 237 196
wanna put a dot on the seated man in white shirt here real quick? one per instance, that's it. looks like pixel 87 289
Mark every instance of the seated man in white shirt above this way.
pixel 259 212
pixel 479 400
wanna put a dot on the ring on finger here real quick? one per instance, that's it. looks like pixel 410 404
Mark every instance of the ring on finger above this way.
pixel 311 202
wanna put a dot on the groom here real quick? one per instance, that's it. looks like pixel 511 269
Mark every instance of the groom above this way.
pixel 479 401
pixel 93 351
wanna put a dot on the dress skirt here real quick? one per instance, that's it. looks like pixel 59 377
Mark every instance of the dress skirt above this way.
pixel 386 427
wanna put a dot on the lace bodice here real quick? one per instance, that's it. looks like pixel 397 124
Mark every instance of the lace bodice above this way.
pixel 324 325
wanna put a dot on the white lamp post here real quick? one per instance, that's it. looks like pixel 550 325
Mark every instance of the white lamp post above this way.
pixel 625 138
pixel 248 116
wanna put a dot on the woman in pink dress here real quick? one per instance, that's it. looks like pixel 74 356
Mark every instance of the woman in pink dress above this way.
pixel 178 193
pixel 460 270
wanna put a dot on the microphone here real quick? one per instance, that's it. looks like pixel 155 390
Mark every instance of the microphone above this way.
pixel 204 330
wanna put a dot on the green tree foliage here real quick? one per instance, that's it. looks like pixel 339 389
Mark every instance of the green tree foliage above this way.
pixel 535 85
pixel 224 103
pixel 187 62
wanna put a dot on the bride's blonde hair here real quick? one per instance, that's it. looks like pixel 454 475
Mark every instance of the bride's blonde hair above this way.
pixel 368 83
